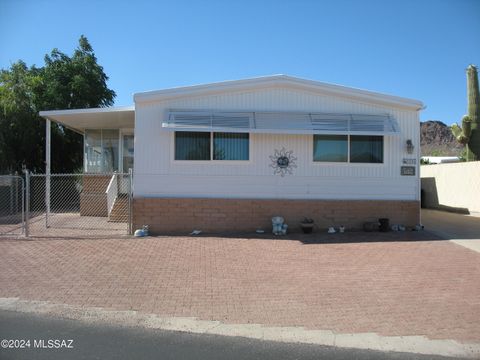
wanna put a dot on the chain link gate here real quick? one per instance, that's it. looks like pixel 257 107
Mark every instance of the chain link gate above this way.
pixel 76 205
pixel 12 205
pixel 67 205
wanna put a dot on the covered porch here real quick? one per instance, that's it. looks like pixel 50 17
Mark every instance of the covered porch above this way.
pixel 108 137
pixel 104 188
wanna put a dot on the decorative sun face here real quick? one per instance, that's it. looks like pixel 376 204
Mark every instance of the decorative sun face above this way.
pixel 283 162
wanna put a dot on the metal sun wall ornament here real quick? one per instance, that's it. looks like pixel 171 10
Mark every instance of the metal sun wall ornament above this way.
pixel 283 162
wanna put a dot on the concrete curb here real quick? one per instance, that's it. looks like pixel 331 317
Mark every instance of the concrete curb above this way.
pixel 472 244
pixel 370 341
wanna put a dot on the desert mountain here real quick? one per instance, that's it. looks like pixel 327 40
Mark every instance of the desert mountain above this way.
pixel 436 139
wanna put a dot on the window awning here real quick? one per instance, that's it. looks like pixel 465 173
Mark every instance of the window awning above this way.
pixel 281 123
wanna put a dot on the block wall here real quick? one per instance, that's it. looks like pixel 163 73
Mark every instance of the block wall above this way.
pixel 178 215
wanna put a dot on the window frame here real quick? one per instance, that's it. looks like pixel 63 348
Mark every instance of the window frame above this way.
pixel 348 162
pixel 211 160
pixel 102 165
pixel 362 163
pixel 331 162
pixel 190 160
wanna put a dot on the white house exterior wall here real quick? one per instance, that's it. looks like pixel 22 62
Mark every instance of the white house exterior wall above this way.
pixel 158 175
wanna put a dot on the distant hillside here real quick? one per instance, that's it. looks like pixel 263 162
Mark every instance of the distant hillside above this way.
pixel 436 139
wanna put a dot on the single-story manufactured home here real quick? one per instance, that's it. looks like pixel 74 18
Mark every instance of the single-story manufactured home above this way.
pixel 229 156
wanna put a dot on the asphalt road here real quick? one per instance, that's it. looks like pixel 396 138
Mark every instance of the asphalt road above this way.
pixel 108 342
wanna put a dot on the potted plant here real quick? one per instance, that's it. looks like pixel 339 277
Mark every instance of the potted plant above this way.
pixel 307 225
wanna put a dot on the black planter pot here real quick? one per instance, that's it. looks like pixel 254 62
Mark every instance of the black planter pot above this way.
pixel 384 224
pixel 307 228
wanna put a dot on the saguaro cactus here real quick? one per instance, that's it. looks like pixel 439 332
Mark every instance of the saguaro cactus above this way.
pixel 469 133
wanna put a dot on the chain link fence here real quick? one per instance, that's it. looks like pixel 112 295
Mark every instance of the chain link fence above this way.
pixel 66 205
pixel 12 210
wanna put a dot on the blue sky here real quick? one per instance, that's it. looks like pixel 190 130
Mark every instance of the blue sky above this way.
pixel 411 48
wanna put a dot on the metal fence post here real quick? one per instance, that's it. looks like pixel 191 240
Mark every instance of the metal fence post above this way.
pixel 47 198
pixel 11 194
pixel 27 202
pixel 16 193
pixel 130 201
pixel 48 135
pixel 22 183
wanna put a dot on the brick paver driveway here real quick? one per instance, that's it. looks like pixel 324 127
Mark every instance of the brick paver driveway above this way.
pixel 419 286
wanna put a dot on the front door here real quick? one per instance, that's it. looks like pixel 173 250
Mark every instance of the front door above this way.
pixel 127 153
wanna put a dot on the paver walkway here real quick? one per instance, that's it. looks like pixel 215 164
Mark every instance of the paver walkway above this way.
pixel 395 284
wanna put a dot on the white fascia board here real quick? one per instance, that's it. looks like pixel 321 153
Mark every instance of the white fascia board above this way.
pixel 278 81
pixel 80 119
pixel 48 113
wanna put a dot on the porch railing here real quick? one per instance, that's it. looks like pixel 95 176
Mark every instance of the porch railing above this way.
pixel 112 193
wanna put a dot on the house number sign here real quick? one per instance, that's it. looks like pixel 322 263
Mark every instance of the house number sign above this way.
pixel 409 161
pixel 407 171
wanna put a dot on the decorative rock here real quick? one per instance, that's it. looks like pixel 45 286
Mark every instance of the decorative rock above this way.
pixel 139 233
pixel 419 227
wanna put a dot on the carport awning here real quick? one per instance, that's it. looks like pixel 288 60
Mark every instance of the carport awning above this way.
pixel 281 123
pixel 97 118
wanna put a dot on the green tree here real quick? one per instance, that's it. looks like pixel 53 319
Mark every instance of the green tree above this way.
pixel 75 82
pixel 64 82
pixel 20 128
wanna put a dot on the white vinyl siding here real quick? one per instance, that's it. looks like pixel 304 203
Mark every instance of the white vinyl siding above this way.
pixel 162 176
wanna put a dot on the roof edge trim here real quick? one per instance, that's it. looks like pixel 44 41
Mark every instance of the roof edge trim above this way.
pixel 48 113
pixel 275 81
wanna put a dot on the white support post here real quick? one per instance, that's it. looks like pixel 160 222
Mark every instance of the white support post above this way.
pixel 47 170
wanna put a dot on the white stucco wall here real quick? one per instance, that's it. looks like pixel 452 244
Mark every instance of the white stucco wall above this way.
pixel 158 175
pixel 452 185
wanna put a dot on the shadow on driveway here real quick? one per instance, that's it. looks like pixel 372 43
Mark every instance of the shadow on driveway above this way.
pixel 322 237
pixel 452 226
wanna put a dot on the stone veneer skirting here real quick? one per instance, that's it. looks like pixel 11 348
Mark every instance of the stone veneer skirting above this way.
pixel 179 215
